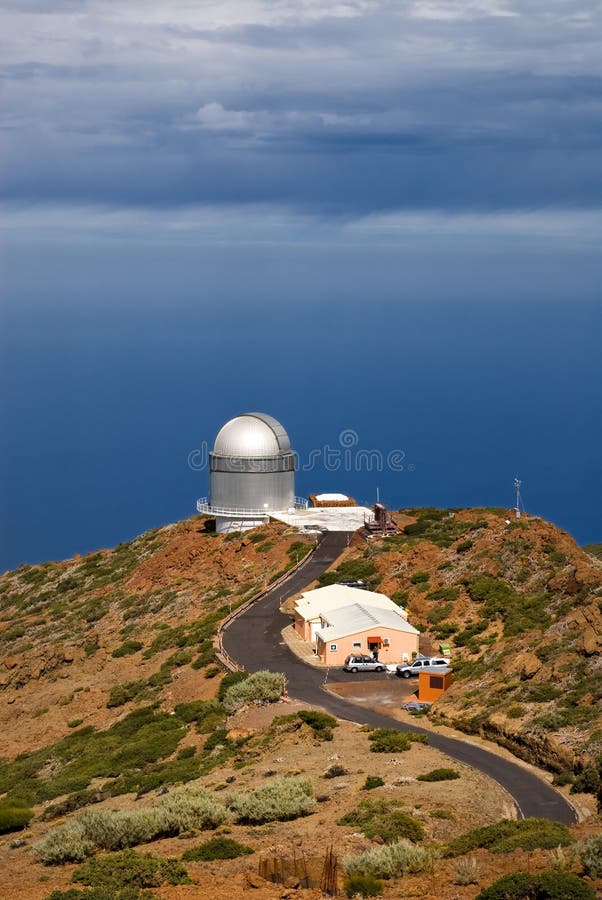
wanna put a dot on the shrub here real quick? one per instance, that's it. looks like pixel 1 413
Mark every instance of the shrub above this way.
pixel 390 740
pixel 547 886
pixel 562 778
pixel 510 834
pixel 130 869
pixel 371 782
pixel 263 687
pixel 586 783
pixel 390 861
pixel 590 854
pixel 62 845
pixel 119 830
pixel 385 819
pixel 467 871
pixel 439 775
pixel 282 799
pixel 464 546
pixel 217 848
pixel 362 886
pixel 335 771
pixel 320 723
pixel 185 809
pixel 420 577
pixel 127 649
pixel 439 613
pixel 14 817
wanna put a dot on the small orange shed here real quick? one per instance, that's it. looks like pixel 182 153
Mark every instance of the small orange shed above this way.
pixel 432 684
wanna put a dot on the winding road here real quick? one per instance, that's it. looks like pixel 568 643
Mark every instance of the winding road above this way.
pixel 254 640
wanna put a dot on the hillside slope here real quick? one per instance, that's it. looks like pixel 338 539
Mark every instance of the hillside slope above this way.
pixel 520 605
pixel 81 640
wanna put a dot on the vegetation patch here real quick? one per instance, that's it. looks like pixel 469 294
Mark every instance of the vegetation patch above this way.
pixel 362 886
pixel 390 740
pixel 128 648
pixel 183 809
pixel 511 834
pixel 142 737
pixel 372 782
pixel 320 723
pixel 282 799
pixel 217 848
pixel 130 869
pixel 390 861
pixel 261 687
pixel 352 570
pixel 14 816
pixel 385 819
pixel 547 886
pixel 439 775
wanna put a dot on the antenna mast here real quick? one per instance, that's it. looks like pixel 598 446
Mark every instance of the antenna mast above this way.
pixel 517 484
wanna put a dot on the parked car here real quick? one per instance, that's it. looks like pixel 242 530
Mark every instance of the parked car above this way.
pixel 415 706
pixel 422 664
pixel 361 663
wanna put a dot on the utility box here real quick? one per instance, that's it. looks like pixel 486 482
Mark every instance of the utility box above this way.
pixel 432 684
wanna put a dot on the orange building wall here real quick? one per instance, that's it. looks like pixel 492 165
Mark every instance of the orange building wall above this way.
pixel 401 645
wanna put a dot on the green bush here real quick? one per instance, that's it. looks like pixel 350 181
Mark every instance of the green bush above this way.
pixel 511 834
pixel 127 649
pixel 217 848
pixel 464 546
pixel 371 782
pixel 390 861
pixel 439 775
pixel 352 570
pixel 590 855
pixel 229 680
pixel 385 819
pixel 13 816
pixel 282 799
pixel 263 687
pixel 183 809
pixel 131 869
pixel 62 845
pixel 320 723
pixel 547 886
pixel 390 740
pixel 362 886
pixel 420 577
pixel 439 613
pixel 586 783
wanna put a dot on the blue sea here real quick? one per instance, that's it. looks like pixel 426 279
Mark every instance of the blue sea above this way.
pixel 432 380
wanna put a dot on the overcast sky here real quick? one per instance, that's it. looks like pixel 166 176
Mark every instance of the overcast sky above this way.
pixel 302 118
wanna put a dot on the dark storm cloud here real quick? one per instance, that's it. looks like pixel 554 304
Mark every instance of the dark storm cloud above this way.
pixel 433 105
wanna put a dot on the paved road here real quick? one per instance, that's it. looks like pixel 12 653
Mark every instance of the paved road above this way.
pixel 254 640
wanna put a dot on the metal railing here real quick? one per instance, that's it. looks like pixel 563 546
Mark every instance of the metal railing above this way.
pixel 204 506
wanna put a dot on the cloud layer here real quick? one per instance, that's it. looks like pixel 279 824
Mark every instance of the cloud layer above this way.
pixel 342 109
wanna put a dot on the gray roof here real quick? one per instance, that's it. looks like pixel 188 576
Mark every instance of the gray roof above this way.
pixel 358 617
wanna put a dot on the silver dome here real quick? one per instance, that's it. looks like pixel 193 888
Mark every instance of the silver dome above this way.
pixel 252 435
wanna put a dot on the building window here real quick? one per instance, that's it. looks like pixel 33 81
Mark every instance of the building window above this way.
pixel 357 645
pixel 437 682
pixel 333 646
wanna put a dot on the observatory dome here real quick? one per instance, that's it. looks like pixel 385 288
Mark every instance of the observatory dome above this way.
pixel 252 435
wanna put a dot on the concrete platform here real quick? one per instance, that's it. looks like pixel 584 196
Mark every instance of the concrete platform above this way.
pixel 327 518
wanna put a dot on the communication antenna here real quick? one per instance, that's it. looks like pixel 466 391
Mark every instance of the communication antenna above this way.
pixel 517 484
pixel 378 495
